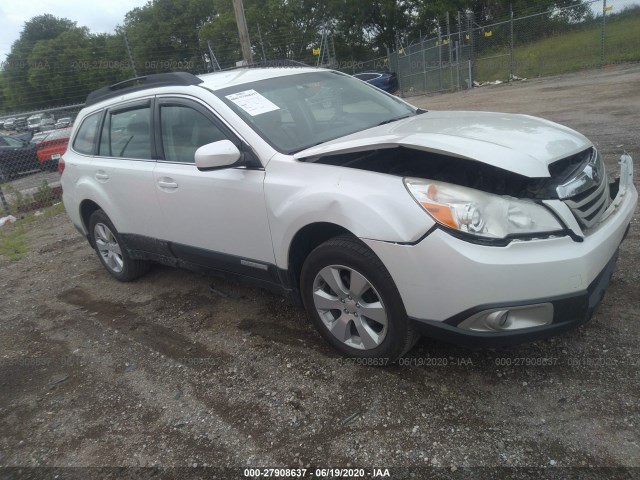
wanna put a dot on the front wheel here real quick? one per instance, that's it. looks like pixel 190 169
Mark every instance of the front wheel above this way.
pixel 353 301
pixel 111 252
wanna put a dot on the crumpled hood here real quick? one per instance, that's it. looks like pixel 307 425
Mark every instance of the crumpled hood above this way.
pixel 518 143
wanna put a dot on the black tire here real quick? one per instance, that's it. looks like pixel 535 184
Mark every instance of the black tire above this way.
pixel 115 260
pixel 351 260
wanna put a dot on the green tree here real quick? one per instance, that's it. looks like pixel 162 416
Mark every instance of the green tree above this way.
pixel 164 35
pixel 20 94
pixel 65 69
pixel 278 30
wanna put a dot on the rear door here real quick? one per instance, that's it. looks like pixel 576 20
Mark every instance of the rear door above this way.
pixel 215 218
pixel 122 169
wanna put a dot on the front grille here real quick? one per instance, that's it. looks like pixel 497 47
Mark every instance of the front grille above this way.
pixel 587 193
pixel 589 206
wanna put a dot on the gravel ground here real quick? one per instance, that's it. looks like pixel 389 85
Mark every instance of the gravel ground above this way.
pixel 179 370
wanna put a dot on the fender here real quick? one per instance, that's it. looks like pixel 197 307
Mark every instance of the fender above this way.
pixel 368 204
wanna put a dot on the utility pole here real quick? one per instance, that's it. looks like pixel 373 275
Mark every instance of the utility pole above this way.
pixel 243 32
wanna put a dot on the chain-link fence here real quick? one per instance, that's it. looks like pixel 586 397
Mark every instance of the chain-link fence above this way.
pixel 462 50
pixel 31 144
pixel 466 50
pixel 435 64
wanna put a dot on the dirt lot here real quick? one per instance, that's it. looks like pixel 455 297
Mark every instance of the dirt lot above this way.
pixel 177 369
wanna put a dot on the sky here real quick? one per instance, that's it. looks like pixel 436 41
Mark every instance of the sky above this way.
pixel 100 16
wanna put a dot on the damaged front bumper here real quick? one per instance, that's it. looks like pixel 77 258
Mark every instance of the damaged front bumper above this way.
pixel 495 296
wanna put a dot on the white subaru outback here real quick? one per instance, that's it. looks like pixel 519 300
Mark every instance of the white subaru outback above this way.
pixel 385 221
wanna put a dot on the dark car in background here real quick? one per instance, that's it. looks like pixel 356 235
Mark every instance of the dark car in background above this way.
pixel 25 135
pixel 16 156
pixel 387 81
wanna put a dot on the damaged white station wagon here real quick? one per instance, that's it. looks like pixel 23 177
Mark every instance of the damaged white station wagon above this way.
pixel 385 221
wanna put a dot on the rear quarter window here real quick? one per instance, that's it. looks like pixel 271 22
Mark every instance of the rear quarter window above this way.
pixel 87 134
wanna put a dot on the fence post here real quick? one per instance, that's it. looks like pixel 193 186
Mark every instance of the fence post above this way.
pixel 440 55
pixel 511 53
pixel 450 53
pixel 424 68
pixel 399 73
pixel 459 48
pixel 472 55
pixel 602 34
pixel 458 64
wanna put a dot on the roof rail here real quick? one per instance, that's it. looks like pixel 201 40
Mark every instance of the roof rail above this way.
pixel 142 83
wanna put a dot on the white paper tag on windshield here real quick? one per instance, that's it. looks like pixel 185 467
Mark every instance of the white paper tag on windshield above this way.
pixel 252 102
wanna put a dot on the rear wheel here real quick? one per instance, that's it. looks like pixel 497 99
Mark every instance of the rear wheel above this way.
pixel 353 301
pixel 111 252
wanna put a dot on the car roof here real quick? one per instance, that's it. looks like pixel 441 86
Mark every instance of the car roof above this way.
pixel 130 89
pixel 230 78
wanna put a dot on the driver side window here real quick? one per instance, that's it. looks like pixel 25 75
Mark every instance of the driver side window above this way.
pixel 184 130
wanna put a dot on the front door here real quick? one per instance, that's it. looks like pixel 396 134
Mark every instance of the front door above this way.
pixel 215 218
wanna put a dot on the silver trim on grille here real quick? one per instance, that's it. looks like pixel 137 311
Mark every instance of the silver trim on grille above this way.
pixel 587 194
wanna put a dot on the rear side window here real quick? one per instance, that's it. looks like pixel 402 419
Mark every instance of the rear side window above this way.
pixel 86 136
pixel 127 134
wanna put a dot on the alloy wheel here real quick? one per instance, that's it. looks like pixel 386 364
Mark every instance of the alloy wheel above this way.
pixel 108 247
pixel 350 307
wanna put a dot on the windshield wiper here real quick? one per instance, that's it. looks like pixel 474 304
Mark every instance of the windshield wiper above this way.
pixel 394 119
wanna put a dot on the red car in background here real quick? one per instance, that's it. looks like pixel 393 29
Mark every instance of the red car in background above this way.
pixel 51 146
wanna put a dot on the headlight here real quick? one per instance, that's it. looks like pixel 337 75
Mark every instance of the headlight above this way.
pixel 479 213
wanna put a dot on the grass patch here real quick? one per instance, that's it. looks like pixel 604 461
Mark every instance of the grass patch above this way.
pixel 12 242
pixel 574 50
pixel 45 213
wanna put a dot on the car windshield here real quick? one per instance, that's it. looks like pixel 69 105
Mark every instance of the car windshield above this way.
pixel 298 111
